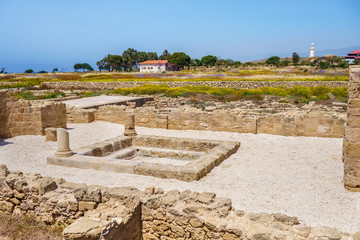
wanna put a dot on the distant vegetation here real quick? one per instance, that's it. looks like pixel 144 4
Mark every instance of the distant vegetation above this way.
pixel 83 66
pixel 302 94
pixel 129 61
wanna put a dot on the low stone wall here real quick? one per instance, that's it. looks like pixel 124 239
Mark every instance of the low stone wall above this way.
pixel 79 115
pixel 101 86
pixel 21 117
pixel 91 210
pixel 351 148
pixel 95 212
pixel 290 123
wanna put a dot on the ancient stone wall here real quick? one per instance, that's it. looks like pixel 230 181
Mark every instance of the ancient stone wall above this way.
pixel 21 117
pixel 351 148
pixel 91 210
pixel 291 123
pixel 5 99
pixel 79 115
pixel 96 212
pixel 101 86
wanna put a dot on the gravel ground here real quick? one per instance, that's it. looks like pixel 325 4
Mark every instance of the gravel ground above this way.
pixel 297 176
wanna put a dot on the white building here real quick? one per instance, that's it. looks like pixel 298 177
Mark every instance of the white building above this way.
pixel 155 66
pixel 312 50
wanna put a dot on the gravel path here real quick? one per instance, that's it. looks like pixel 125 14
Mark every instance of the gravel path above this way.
pixel 298 176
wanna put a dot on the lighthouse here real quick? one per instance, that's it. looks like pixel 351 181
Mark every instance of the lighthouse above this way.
pixel 312 50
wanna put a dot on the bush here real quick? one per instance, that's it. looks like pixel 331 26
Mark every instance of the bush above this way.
pixel 29 71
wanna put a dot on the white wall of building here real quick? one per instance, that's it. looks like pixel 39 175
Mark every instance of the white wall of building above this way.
pixel 152 68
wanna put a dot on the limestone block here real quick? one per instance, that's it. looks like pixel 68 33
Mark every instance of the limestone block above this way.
pixel 47 185
pixel 89 229
pixel 4 170
pixel 50 134
pixel 6 206
pixel 85 206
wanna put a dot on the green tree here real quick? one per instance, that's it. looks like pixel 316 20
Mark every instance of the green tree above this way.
pixel 180 59
pixel 129 59
pixel 164 55
pixel 152 56
pixel 2 70
pixel 142 57
pixel 324 65
pixel 284 63
pixel 209 60
pixel 55 70
pixel 77 66
pixel 86 66
pixel 295 58
pixel 274 60
pixel 115 62
pixel 197 62
pixel 29 71
pixel 101 64
pixel 42 71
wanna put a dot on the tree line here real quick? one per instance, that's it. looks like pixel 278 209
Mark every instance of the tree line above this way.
pixel 129 61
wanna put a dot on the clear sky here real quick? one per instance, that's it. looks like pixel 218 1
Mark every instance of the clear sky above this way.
pixel 49 33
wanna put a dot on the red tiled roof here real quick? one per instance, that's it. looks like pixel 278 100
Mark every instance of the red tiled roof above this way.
pixel 355 52
pixel 154 62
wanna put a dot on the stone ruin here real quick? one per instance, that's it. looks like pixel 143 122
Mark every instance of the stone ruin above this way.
pixel 96 212
pixel 21 117
pixel 163 157
pixel 351 147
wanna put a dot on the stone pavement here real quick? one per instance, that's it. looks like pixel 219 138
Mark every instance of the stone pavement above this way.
pixel 94 102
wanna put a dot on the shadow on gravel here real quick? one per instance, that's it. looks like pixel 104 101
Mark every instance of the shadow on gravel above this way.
pixel 3 142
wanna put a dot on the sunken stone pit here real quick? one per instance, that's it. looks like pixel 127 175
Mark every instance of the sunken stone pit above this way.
pixel 163 157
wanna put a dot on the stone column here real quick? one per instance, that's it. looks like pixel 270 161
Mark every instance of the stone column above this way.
pixel 63 143
pixel 351 147
pixel 130 125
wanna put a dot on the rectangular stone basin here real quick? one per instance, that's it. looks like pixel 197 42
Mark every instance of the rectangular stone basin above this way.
pixel 164 157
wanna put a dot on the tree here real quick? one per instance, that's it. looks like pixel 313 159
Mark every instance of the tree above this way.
pixel 180 59
pixel 77 66
pixel 83 66
pixel 284 63
pixel 114 62
pixel 55 70
pixel 197 62
pixel 142 57
pixel 29 71
pixel 274 60
pixel 2 70
pixel 101 64
pixel 209 60
pixel 295 58
pixel 86 66
pixel 129 58
pixel 152 56
pixel 164 55
pixel 42 71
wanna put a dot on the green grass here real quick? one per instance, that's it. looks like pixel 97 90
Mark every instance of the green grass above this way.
pixel 26 83
pixel 31 96
pixel 302 93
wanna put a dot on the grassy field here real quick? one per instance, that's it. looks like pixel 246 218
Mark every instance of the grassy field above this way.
pixel 212 74
pixel 302 94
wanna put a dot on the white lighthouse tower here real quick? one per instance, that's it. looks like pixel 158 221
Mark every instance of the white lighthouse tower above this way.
pixel 312 50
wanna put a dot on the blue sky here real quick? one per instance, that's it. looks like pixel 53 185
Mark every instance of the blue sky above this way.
pixel 46 34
